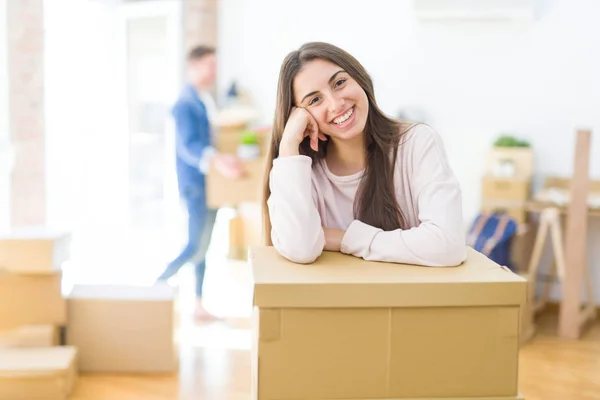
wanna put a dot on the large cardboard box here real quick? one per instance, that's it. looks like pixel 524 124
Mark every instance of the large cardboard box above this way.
pixel 222 191
pixel 345 328
pixel 38 373
pixel 30 336
pixel 33 250
pixel 31 300
pixel 122 328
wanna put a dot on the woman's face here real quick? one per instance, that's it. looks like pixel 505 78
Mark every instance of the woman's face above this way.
pixel 334 99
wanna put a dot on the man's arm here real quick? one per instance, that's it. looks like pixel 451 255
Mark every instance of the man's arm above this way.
pixel 190 148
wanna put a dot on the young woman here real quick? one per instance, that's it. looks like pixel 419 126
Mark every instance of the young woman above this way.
pixel 345 177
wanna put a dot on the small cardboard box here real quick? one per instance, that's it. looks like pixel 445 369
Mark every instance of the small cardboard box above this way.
pixel 30 336
pixel 31 300
pixel 38 373
pixel 505 189
pixel 122 328
pixel 222 192
pixel 33 250
pixel 345 328
pixel 520 157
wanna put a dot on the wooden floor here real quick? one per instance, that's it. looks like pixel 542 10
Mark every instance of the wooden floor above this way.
pixel 215 365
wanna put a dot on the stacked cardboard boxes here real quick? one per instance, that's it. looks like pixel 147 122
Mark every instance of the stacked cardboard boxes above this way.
pixel 108 328
pixel 245 194
pixel 32 364
pixel 506 184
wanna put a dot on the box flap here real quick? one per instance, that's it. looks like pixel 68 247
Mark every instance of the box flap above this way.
pixel 159 292
pixel 339 280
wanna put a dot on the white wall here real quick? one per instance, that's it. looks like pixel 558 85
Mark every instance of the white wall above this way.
pixel 5 153
pixel 474 80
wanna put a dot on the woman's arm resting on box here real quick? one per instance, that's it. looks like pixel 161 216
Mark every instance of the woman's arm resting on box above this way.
pixel 296 229
pixel 439 240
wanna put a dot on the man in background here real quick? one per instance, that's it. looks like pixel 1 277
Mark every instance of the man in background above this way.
pixel 194 154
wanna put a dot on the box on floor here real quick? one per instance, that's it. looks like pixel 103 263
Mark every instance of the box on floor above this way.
pixel 345 328
pixel 122 328
pixel 48 373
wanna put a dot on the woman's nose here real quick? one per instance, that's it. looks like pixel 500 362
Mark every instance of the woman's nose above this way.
pixel 336 105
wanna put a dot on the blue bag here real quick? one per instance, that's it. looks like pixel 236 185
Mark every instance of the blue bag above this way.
pixel 491 234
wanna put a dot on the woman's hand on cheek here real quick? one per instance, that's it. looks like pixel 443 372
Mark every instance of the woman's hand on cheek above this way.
pixel 333 239
pixel 300 124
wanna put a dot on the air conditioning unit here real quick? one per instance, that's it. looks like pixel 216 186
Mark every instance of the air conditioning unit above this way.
pixel 474 10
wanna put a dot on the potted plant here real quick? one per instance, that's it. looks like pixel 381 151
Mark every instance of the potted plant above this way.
pixel 249 148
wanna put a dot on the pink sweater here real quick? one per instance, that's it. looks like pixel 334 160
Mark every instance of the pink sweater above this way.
pixel 305 197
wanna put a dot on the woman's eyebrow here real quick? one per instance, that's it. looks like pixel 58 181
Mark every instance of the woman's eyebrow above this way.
pixel 330 80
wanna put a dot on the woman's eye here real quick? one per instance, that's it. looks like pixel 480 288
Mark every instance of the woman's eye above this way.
pixel 340 82
pixel 313 100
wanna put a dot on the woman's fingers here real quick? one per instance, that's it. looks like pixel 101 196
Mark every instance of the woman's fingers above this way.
pixel 314 133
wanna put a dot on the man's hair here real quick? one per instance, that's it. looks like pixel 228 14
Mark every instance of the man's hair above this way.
pixel 200 52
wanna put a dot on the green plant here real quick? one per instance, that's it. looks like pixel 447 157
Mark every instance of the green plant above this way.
pixel 249 137
pixel 510 141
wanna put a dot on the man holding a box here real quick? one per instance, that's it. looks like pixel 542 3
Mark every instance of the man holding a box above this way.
pixel 194 155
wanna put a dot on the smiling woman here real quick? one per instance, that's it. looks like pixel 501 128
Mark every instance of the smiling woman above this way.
pixel 346 177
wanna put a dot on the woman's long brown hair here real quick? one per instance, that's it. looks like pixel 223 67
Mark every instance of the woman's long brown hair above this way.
pixel 375 203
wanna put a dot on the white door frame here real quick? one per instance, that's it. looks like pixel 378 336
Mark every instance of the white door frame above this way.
pixel 172 10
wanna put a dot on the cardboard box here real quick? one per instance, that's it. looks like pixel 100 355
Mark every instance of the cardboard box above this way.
pixel 229 138
pixel 522 247
pixel 505 189
pixel 245 229
pixel 38 373
pixel 345 328
pixel 30 336
pixel 515 209
pixel 528 328
pixel 122 328
pixel 221 191
pixel 33 250
pixel 521 158
pixel 31 300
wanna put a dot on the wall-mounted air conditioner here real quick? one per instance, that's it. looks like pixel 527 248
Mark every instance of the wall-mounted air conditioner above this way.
pixel 474 10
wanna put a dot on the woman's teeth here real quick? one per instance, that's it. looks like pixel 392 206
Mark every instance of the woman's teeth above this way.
pixel 343 118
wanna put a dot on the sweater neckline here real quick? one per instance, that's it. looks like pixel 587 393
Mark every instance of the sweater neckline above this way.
pixel 340 178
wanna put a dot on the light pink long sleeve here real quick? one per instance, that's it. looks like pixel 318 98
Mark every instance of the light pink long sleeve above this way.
pixel 296 230
pixel 306 197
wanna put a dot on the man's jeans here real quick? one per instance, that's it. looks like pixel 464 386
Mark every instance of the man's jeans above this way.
pixel 201 221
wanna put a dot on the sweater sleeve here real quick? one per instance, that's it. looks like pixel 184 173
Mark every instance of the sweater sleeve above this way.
pixel 296 230
pixel 439 239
